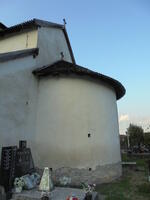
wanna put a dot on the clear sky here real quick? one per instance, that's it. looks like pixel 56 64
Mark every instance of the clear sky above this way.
pixel 108 36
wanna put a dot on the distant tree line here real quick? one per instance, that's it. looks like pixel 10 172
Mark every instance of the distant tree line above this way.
pixel 135 136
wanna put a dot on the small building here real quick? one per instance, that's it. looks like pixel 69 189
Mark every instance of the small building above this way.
pixel 67 113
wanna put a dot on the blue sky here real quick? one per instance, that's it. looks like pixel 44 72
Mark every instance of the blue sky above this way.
pixel 108 36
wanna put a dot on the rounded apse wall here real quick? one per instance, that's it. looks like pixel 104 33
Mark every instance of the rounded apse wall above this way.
pixel 77 131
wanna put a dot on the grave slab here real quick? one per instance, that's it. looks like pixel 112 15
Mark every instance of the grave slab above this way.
pixel 59 193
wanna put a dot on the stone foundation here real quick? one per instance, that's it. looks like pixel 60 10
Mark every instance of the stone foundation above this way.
pixel 102 174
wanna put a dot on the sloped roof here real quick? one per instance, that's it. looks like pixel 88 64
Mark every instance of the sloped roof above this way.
pixel 35 23
pixel 67 68
pixel 2 26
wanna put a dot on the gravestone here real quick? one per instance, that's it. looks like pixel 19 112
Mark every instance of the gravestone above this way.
pixel 15 162
pixel 8 159
pixel 24 162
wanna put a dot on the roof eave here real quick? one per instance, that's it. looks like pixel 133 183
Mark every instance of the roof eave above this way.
pixel 4 57
pixel 70 68
pixel 2 26
pixel 69 45
pixel 34 23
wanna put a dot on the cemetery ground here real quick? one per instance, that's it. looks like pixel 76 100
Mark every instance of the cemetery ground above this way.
pixel 132 185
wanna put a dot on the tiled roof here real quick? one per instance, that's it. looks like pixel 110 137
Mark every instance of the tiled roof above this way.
pixel 67 68
pixel 2 26
pixel 35 23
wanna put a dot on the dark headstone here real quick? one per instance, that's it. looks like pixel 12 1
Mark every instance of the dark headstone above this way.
pixel 24 162
pixel 8 159
pixel 15 162
pixel 22 144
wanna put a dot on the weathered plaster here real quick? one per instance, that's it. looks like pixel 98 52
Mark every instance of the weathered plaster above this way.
pixel 19 41
pixel 101 174
pixel 75 176
pixel 18 98
pixel 51 43
pixel 55 115
pixel 70 108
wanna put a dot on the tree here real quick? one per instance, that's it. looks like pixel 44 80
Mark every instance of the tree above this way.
pixel 147 138
pixel 136 135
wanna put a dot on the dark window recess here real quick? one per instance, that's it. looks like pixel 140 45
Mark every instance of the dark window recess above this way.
pixel 90 169
pixel 51 169
pixel 89 134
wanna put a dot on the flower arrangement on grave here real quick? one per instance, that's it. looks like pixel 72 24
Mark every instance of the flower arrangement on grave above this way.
pixel 72 198
pixel 89 189
pixel 19 184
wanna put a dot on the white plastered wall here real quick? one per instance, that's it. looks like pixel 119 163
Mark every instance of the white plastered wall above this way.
pixel 19 87
pixel 19 41
pixel 51 42
pixel 68 109
pixel 18 97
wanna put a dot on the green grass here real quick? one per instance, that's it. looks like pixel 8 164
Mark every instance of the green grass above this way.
pixel 132 185
pixel 144 189
pixel 141 162
pixel 115 190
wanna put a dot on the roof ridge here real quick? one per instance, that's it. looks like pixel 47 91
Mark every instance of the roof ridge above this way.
pixel 36 21
pixel 29 24
pixel 42 22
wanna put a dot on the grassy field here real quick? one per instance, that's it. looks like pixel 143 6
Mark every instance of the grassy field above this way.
pixel 133 185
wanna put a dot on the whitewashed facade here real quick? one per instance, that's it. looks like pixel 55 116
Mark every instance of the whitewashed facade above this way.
pixel 70 121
